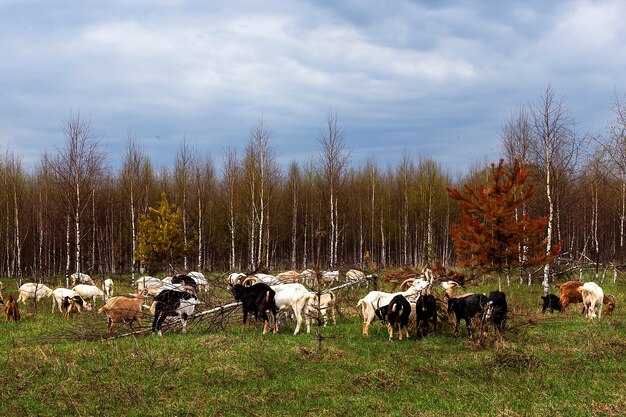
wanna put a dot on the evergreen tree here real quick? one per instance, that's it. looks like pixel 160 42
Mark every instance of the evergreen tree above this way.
pixel 488 237
pixel 160 239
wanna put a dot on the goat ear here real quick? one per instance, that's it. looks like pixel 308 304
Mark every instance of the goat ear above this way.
pixel 543 297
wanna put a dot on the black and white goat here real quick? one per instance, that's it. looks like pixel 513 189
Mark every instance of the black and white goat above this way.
pixel 496 310
pixel 172 303
pixel 398 312
pixel 257 299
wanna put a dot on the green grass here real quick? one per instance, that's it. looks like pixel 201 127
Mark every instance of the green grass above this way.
pixel 559 365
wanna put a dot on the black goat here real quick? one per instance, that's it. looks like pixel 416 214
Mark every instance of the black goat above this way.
pixel 425 308
pixel 496 310
pixel 185 280
pixel 551 302
pixel 465 308
pixel 172 303
pixel 398 311
pixel 257 299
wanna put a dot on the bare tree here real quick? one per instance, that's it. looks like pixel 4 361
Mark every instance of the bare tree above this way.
pixel 182 172
pixel 260 172
pixel 76 167
pixel 293 182
pixel 230 175
pixel 516 141
pixel 613 159
pixel 332 163
pixel 554 147
pixel 135 172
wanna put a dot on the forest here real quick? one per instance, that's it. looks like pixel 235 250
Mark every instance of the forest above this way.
pixel 241 210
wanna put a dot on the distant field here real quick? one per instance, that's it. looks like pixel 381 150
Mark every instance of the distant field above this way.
pixel 559 365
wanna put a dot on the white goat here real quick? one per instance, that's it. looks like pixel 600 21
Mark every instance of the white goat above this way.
pixel 294 296
pixel 592 299
pixel 59 294
pixel 147 281
pixel 89 292
pixel 330 276
pixel 201 283
pixel 267 279
pixel 80 278
pixel 377 299
pixel 320 308
pixel 33 290
pixel 108 288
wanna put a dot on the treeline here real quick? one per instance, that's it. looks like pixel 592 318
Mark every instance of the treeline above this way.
pixel 242 210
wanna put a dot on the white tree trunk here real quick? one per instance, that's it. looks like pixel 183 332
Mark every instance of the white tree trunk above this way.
pixel 133 237
pixel 200 242
pixel 294 223
pixel 18 243
pixel 77 225
pixel 546 268
pixel 67 258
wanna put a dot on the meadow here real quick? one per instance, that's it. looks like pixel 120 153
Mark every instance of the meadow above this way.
pixel 557 365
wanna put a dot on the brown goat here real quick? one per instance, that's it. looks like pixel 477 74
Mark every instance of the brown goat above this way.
pixel 10 309
pixel 571 295
pixel 123 310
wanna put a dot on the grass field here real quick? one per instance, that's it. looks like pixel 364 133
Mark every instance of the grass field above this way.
pixel 559 365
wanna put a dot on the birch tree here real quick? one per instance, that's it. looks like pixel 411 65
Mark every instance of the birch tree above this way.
pixel 554 150
pixel 332 163
pixel 76 167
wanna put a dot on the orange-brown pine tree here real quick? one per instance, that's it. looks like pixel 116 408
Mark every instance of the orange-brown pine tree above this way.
pixel 488 236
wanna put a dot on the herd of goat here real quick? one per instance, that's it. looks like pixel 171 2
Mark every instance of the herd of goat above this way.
pixel 263 296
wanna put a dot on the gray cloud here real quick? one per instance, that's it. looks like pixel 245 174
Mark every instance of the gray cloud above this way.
pixel 402 76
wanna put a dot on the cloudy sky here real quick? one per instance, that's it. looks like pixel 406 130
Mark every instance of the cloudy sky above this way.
pixel 430 78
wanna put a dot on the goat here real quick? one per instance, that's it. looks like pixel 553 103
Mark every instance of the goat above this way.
pixel 71 305
pixel 465 308
pixel 80 278
pixel 309 277
pixel 592 296
pixel 33 290
pixel 377 299
pixel 108 288
pixel 148 282
pixel 59 294
pixel 11 310
pixel 185 281
pixel 173 303
pixel 257 299
pixel 235 278
pixel 398 311
pixel 89 292
pixel 329 277
pixel 319 307
pixel 122 310
pixel 201 283
pixel 288 277
pixel 571 295
pixel 425 308
pixel 551 302
pixel 496 310
pixel 294 296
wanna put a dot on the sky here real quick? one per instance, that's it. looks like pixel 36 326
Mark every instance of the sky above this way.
pixel 424 78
